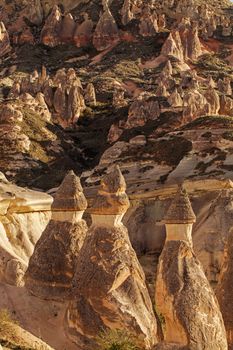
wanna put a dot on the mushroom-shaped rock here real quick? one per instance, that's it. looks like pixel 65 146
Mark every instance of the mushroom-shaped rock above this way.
pixel 115 296
pixel 106 32
pixel 51 267
pixel 5 46
pixel 183 296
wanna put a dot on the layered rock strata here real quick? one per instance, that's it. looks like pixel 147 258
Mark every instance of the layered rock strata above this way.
pixel 122 300
pixel 184 299
pixel 51 267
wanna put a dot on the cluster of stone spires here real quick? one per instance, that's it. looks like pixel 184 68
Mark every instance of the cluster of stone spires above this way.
pixel 97 270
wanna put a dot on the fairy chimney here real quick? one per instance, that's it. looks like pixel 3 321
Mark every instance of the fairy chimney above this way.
pixel 183 297
pixel 51 267
pixel 180 218
pixel 122 301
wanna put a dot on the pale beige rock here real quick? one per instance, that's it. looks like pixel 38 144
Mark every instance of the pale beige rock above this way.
pixel 90 96
pixel 183 297
pixel 143 109
pixel 223 291
pixel 51 267
pixel 122 301
pixel 118 98
pixel 5 46
pixel 226 105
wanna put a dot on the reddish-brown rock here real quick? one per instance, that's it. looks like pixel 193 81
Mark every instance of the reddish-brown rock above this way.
pixel 106 32
pixel 50 34
pixel 83 32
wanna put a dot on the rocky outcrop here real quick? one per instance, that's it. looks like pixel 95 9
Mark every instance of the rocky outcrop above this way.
pixel 175 99
pixel 5 46
pixel 50 34
pixel 224 86
pixel 90 96
pixel 122 301
pixel 183 42
pixel 67 29
pixel 148 23
pixel 195 105
pixel 51 267
pixel 83 32
pixel 118 98
pixel 226 105
pixel 143 109
pixel 23 214
pixel 184 299
pixel 213 99
pixel 223 290
pixel 106 33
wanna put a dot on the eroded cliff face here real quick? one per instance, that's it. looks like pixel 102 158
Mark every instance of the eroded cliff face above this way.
pixel 23 216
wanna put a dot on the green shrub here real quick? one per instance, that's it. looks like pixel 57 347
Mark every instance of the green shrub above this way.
pixel 116 339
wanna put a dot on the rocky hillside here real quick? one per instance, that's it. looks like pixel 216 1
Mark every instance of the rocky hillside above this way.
pixel 89 86
pixel 127 77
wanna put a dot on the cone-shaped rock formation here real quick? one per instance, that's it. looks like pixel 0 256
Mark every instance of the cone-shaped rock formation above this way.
pixel 109 289
pixel 51 267
pixel 224 290
pixel 183 297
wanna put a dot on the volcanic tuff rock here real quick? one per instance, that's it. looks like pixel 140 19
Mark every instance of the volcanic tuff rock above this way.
pixel 183 297
pixel 5 46
pixel 122 300
pixel 224 289
pixel 106 32
pixel 51 267
pixel 51 30
pixel 19 208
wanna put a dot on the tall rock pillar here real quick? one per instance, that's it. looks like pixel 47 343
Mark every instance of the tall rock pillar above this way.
pixel 51 267
pixel 184 299
pixel 109 289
